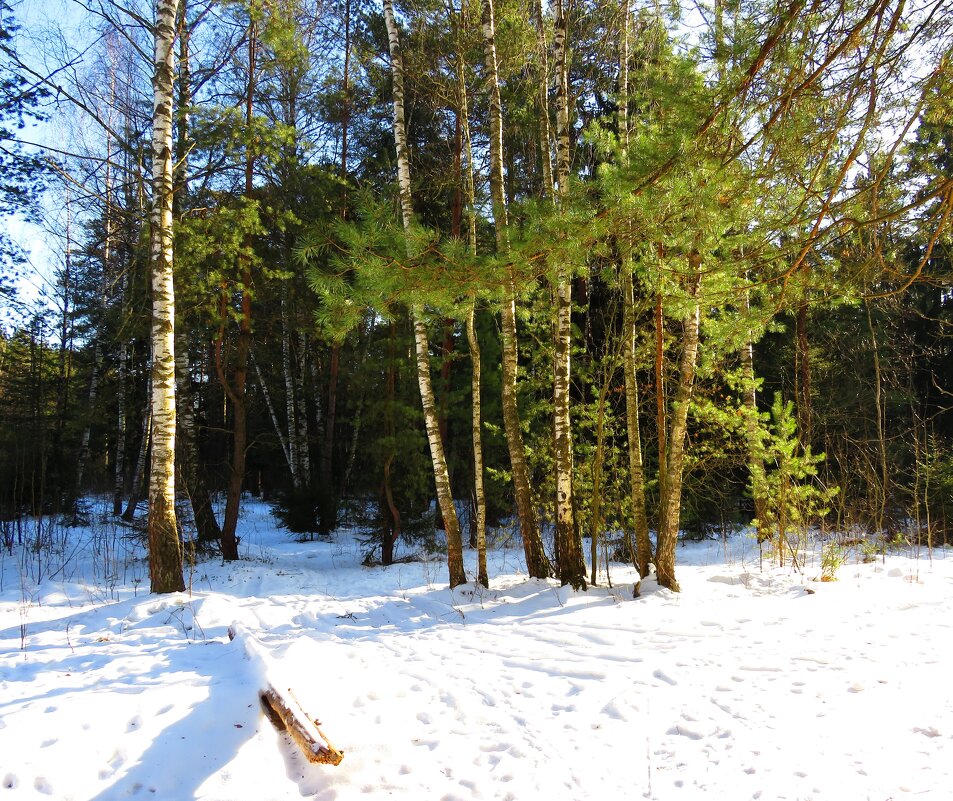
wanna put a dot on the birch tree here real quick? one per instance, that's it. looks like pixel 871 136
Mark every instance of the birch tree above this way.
pixel 572 565
pixel 476 381
pixel 165 547
pixel 421 344
pixel 536 562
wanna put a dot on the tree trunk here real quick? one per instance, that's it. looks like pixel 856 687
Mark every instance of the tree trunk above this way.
pixel 330 490
pixel 302 431
pixel 206 526
pixel 803 367
pixel 881 510
pixel 476 419
pixel 273 414
pixel 537 564
pixel 671 498
pixel 390 514
pixel 139 472
pixel 536 10
pixel 661 424
pixel 107 272
pixel 642 550
pixel 119 465
pixel 356 419
pixel 642 545
pixel 441 474
pixel 235 389
pixel 327 516
pixel 291 442
pixel 165 548
pixel 476 428
pixel 598 462
pixel 753 435
pixel 572 565
pixel 83 456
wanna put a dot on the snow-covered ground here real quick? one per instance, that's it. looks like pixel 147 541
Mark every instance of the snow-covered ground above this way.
pixel 751 683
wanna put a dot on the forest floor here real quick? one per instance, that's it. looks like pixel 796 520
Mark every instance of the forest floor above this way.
pixel 754 682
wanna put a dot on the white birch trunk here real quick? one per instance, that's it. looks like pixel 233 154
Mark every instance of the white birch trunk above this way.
pixel 422 346
pixel 537 564
pixel 542 49
pixel 282 439
pixel 119 474
pixel 165 550
pixel 83 455
pixel 302 433
pixel 291 448
pixel 572 565
pixel 476 418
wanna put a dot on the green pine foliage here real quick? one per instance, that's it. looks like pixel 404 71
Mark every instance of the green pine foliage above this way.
pixel 790 482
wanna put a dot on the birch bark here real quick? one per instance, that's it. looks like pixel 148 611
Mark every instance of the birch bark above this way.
pixel 572 564
pixel 537 564
pixel 536 11
pixel 165 548
pixel 119 467
pixel 476 419
pixel 290 443
pixel 422 346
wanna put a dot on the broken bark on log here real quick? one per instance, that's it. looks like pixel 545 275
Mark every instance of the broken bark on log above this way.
pixel 283 709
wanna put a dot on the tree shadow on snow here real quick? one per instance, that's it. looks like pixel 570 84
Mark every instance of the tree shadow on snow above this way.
pixel 189 750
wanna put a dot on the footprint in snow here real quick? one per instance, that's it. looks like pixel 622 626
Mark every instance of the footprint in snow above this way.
pixel 41 785
pixel 684 731
pixel 663 676
pixel 424 718
pixel 11 782
pixel 134 724
pixel 430 744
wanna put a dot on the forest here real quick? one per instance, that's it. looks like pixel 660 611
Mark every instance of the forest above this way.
pixel 609 275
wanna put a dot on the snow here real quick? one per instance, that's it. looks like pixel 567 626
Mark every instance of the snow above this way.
pixel 754 682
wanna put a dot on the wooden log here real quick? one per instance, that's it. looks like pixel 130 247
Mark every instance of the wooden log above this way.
pixel 283 708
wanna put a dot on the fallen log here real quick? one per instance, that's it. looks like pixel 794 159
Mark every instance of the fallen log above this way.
pixel 283 709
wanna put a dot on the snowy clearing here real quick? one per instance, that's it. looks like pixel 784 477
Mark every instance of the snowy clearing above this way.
pixel 752 683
